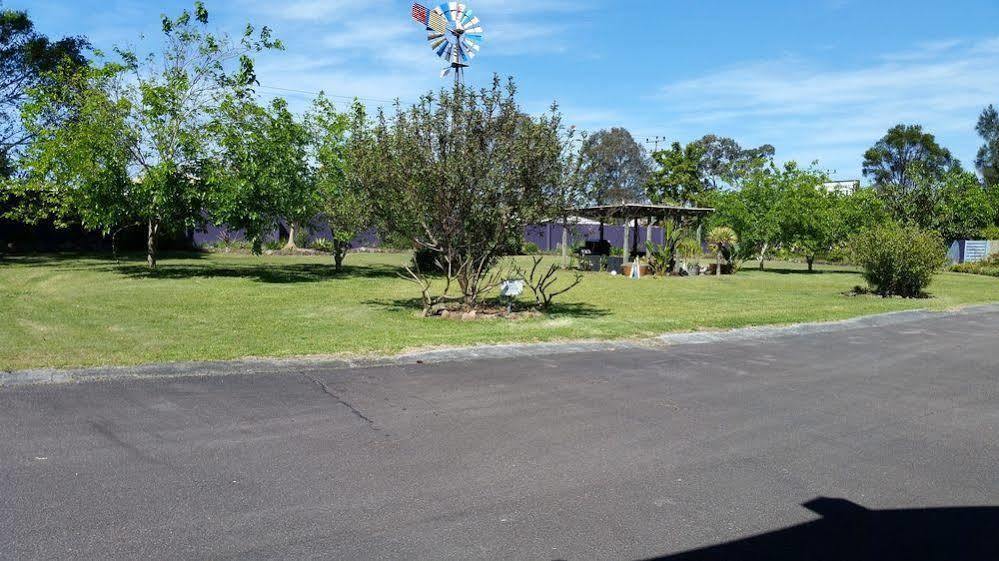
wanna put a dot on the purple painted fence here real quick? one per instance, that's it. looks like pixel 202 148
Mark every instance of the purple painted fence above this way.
pixel 547 237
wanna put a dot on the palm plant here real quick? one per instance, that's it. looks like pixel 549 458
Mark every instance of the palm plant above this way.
pixel 723 240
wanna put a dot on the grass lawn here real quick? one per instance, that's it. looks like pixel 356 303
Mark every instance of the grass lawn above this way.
pixel 64 311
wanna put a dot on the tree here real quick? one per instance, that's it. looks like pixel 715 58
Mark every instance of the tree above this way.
pixel 27 60
pixel 810 215
pixel 261 171
pixel 149 119
pixel 988 155
pixel 678 180
pixel 459 174
pixel 338 143
pixel 571 189
pixel 893 161
pixel 780 205
pixel 615 165
pixel 725 163
pixel 956 205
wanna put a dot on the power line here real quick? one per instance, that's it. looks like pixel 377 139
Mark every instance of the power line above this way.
pixel 348 97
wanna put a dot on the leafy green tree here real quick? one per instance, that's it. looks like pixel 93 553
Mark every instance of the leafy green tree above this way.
pixel 339 141
pixel 149 118
pixel 892 163
pixel 678 179
pixel 725 163
pixel 810 215
pixel 459 174
pixel 754 212
pixel 956 204
pixel 988 155
pixel 261 171
pixel 616 166
pixel 27 60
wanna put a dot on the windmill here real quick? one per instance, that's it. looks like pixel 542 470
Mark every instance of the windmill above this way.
pixel 454 34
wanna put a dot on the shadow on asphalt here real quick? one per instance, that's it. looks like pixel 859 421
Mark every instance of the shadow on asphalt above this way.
pixel 848 531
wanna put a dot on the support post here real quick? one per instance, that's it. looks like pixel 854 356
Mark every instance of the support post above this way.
pixel 627 241
pixel 634 243
pixel 648 233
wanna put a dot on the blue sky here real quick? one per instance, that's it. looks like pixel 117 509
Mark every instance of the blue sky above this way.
pixel 820 80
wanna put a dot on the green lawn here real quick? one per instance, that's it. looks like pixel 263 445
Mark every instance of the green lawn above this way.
pixel 65 311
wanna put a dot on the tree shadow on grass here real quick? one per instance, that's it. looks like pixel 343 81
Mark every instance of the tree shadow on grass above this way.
pixel 195 264
pixel 790 271
pixel 276 273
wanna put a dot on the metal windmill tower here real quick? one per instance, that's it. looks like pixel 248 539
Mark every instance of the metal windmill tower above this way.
pixel 454 34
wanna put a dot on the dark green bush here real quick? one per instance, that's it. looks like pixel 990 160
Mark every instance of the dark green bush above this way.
pixel 899 260
pixel 531 248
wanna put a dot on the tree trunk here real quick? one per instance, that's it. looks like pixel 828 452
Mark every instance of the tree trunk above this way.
pixel 763 254
pixel 718 263
pixel 292 232
pixel 339 252
pixel 811 260
pixel 565 245
pixel 154 230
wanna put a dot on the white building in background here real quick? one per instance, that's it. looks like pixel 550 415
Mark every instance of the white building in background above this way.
pixel 845 187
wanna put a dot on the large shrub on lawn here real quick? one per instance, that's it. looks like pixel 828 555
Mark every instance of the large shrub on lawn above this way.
pixel 899 260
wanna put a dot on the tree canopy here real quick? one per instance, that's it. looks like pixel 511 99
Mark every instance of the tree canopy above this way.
pixel 905 150
pixel 725 163
pixel 987 160
pixel 135 149
pixel 678 178
pixel 459 174
pixel 616 166
pixel 27 57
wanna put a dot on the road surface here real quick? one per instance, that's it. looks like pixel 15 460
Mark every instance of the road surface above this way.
pixel 859 442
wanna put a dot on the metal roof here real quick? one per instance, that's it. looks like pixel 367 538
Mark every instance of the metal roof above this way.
pixel 639 210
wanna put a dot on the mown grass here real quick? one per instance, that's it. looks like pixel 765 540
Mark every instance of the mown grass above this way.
pixel 72 310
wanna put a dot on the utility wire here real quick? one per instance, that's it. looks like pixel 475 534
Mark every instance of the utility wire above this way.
pixel 348 97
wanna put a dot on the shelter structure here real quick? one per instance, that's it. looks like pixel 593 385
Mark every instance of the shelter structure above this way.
pixel 631 214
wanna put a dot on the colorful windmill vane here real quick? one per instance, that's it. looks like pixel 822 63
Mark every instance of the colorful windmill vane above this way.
pixel 454 34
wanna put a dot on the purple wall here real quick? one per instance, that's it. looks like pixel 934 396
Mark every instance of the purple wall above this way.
pixel 546 236
pixel 549 236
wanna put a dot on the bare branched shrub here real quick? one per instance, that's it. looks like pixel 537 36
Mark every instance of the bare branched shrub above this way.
pixel 542 282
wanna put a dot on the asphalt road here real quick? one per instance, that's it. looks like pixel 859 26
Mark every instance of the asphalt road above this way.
pixel 858 443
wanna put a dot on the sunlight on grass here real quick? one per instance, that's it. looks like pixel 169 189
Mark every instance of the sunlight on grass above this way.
pixel 64 311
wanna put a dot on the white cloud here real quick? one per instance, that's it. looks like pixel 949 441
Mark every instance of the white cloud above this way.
pixel 826 113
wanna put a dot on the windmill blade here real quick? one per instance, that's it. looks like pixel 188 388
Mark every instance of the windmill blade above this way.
pixel 437 21
pixel 445 72
pixel 419 13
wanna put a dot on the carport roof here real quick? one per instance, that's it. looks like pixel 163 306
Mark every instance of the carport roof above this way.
pixel 630 211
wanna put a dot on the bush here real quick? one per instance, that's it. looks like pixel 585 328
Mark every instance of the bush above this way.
pixel 899 260
pixel 989 233
pixel 531 248
pixel 322 244
pixel 988 266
